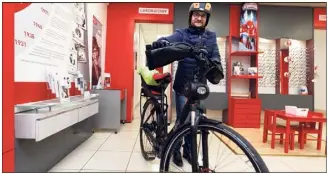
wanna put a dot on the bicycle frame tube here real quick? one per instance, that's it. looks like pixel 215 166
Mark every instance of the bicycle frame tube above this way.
pixel 164 115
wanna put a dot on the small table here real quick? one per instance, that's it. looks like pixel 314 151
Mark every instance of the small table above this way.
pixel 312 117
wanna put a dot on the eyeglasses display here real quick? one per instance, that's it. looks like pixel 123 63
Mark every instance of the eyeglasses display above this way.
pixel 267 64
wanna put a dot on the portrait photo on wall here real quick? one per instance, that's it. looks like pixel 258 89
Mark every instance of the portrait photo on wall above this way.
pixel 81 53
pixel 80 15
pixel 72 64
pixel 78 34
pixel 96 68
pixel 96 53
pixel 248 27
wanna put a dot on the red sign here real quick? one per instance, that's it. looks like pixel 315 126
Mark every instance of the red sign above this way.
pixel 320 15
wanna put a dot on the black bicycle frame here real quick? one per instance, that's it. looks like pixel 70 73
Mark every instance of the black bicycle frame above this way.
pixel 196 112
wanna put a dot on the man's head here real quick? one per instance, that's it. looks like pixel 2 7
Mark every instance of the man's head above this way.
pixel 199 14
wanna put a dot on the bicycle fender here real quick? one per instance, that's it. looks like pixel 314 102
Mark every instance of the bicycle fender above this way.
pixel 210 121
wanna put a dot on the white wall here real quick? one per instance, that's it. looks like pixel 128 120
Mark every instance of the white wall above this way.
pixel 99 10
pixel 141 61
pixel 320 59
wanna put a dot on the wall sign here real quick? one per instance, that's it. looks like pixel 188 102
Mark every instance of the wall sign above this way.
pixel 320 16
pixel 49 36
pixel 159 11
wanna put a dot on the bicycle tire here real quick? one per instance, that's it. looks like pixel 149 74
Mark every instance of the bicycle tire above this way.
pixel 212 125
pixel 141 132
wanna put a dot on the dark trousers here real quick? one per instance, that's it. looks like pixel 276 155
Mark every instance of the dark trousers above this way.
pixel 180 103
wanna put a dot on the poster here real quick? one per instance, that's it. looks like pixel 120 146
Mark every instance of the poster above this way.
pixel 50 36
pixel 96 52
pixel 248 27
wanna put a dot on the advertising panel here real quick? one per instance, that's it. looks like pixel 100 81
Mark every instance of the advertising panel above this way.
pixel 248 27
pixel 96 52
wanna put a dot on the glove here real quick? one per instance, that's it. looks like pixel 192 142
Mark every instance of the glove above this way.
pixel 160 44
pixel 215 74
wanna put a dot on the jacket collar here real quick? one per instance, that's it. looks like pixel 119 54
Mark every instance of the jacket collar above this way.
pixel 195 30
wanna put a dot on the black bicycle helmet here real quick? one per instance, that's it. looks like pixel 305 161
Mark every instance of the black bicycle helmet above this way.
pixel 200 6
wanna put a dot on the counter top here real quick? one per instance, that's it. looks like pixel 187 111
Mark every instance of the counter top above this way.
pixel 47 108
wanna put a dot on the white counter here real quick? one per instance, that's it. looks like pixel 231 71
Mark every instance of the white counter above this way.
pixel 42 123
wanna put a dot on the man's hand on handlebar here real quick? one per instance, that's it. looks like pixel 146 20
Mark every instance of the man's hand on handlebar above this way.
pixel 160 44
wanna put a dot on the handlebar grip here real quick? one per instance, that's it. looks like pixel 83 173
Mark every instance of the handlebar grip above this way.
pixel 148 47
pixel 163 56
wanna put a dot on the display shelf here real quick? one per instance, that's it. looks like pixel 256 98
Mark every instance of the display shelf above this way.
pixel 244 109
pixel 244 53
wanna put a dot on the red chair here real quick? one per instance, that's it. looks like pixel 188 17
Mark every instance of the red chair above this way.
pixel 310 128
pixel 270 124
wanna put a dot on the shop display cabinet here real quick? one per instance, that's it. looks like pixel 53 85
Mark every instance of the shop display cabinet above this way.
pixel 285 75
pixel 244 105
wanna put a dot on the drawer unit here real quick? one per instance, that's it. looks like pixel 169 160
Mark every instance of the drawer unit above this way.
pixel 88 111
pixel 52 125
pixel 245 113
pixel 42 124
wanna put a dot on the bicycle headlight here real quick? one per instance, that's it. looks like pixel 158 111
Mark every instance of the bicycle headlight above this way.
pixel 196 90
pixel 201 90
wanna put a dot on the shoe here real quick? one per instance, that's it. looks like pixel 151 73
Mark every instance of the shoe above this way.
pixel 177 159
pixel 187 157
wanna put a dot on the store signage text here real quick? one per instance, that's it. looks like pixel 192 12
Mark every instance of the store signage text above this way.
pixel 160 11
pixel 322 17
pixel 250 6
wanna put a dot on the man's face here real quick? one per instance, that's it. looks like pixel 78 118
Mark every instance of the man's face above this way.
pixel 198 19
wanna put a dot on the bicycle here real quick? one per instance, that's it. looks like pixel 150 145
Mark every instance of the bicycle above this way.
pixel 198 124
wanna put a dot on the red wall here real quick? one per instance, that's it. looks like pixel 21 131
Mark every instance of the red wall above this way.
pixel 121 18
pixel 8 88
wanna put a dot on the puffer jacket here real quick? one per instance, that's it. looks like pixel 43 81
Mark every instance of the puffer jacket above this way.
pixel 187 67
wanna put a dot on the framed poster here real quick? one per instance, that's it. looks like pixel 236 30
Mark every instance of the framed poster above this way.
pixel 96 52
pixel 248 27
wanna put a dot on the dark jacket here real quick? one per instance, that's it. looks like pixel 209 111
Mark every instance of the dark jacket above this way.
pixel 187 67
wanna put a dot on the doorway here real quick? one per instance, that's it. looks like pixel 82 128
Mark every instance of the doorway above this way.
pixel 146 33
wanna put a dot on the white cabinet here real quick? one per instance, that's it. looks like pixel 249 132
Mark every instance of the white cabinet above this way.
pixel 54 124
pixel 42 124
pixel 88 111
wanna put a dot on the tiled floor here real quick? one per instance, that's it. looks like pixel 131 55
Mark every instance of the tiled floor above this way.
pixel 109 152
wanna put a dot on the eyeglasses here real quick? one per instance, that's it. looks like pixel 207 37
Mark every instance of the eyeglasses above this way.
pixel 199 14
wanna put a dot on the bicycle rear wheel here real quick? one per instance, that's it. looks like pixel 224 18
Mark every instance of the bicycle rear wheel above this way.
pixel 225 134
pixel 148 130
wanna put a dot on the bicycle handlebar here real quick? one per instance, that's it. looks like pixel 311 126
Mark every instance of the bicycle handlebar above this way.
pixel 160 57
pixel 173 52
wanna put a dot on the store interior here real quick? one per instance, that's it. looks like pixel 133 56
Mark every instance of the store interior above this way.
pixel 74 99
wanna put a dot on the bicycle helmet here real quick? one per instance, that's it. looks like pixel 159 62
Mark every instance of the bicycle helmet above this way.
pixel 203 7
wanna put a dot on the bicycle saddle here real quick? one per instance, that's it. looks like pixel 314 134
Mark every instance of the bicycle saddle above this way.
pixel 162 78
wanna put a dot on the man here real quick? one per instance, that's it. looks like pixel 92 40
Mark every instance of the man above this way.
pixel 197 35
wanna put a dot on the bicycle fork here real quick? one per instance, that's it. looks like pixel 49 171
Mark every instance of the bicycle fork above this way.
pixel 194 127
pixel 204 137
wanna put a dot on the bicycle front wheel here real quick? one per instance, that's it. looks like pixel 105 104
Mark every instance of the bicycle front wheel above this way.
pixel 222 136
